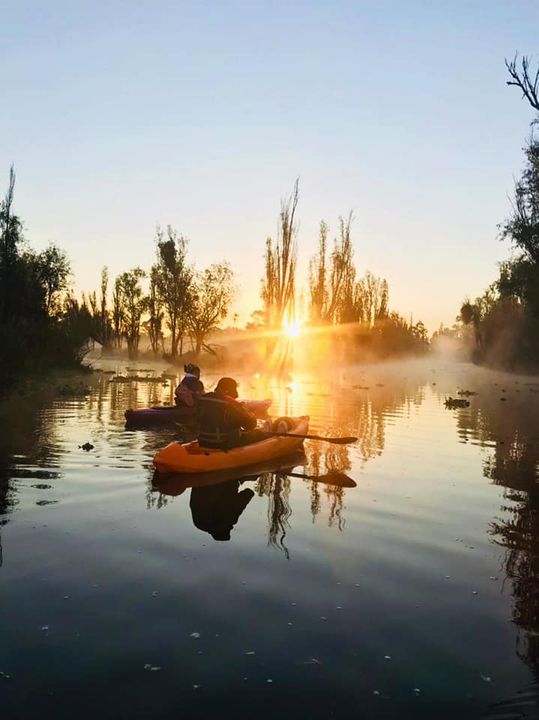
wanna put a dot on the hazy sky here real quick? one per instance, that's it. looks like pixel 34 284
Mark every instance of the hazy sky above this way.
pixel 120 115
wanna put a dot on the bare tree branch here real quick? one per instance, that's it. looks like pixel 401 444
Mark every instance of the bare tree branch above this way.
pixel 522 79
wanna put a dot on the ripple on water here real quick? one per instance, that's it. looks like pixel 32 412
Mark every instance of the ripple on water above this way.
pixel 417 584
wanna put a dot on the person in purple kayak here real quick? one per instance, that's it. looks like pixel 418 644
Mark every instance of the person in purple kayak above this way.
pixel 191 388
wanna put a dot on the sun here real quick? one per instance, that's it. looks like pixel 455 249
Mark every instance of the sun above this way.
pixel 292 329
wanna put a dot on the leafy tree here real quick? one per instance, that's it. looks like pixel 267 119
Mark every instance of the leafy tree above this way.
pixel 117 314
pixel 257 320
pixel 11 235
pixel 371 299
pixel 395 336
pixel 20 292
pixel 419 331
pixel 102 327
pixel 213 291
pixel 342 276
pixel 174 278
pixel 318 278
pixel 278 285
pixel 32 327
pixel 154 307
pixel 133 305
pixel 53 271
pixel 522 228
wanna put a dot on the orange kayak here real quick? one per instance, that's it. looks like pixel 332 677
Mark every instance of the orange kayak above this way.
pixel 191 458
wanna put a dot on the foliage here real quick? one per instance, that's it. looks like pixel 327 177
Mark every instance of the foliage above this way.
pixel 117 314
pixel 133 304
pixel 102 330
pixel 278 285
pixel 212 294
pixel 337 297
pixel 35 335
pixel 505 319
pixel 154 306
pixel 522 228
pixel 318 272
pixel 393 335
pixel 53 271
pixel 342 276
pixel 174 280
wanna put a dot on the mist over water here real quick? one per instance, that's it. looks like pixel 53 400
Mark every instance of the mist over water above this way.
pixel 414 594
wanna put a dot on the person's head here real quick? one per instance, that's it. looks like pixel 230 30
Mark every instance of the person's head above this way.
pixel 227 386
pixel 192 370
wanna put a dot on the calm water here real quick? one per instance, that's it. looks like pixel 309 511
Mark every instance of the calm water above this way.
pixel 413 595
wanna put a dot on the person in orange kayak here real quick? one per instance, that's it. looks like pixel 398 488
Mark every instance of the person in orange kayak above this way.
pixel 225 423
pixel 191 388
pixel 215 509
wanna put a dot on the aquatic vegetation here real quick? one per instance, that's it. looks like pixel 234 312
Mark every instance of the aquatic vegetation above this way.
pixel 453 403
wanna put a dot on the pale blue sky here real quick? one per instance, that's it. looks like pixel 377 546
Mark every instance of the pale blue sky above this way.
pixel 120 115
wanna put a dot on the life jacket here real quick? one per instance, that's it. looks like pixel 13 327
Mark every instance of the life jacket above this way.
pixel 188 391
pixel 221 421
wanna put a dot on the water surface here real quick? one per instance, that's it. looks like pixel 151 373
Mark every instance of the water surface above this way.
pixel 415 594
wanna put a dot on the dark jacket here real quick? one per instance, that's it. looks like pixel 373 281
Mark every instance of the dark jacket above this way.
pixel 189 391
pixel 221 421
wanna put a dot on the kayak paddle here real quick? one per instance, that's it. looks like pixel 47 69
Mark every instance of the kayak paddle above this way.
pixel 335 440
pixel 331 478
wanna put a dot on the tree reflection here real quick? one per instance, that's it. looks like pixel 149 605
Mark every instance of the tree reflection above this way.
pixel 514 464
pixel 345 412
pixel 276 487
pixel 6 504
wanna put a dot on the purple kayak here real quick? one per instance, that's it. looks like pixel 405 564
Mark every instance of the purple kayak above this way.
pixel 166 415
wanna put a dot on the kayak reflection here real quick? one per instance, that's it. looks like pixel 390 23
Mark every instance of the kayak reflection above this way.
pixel 217 508
pixel 216 499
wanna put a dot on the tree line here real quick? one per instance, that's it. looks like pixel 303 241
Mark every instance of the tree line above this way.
pixel 180 308
pixel 337 295
pixel 33 334
pixel 505 318
pixel 43 325
pixel 177 307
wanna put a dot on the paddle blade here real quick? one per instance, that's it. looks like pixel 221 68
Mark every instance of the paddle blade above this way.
pixel 342 440
pixel 335 478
